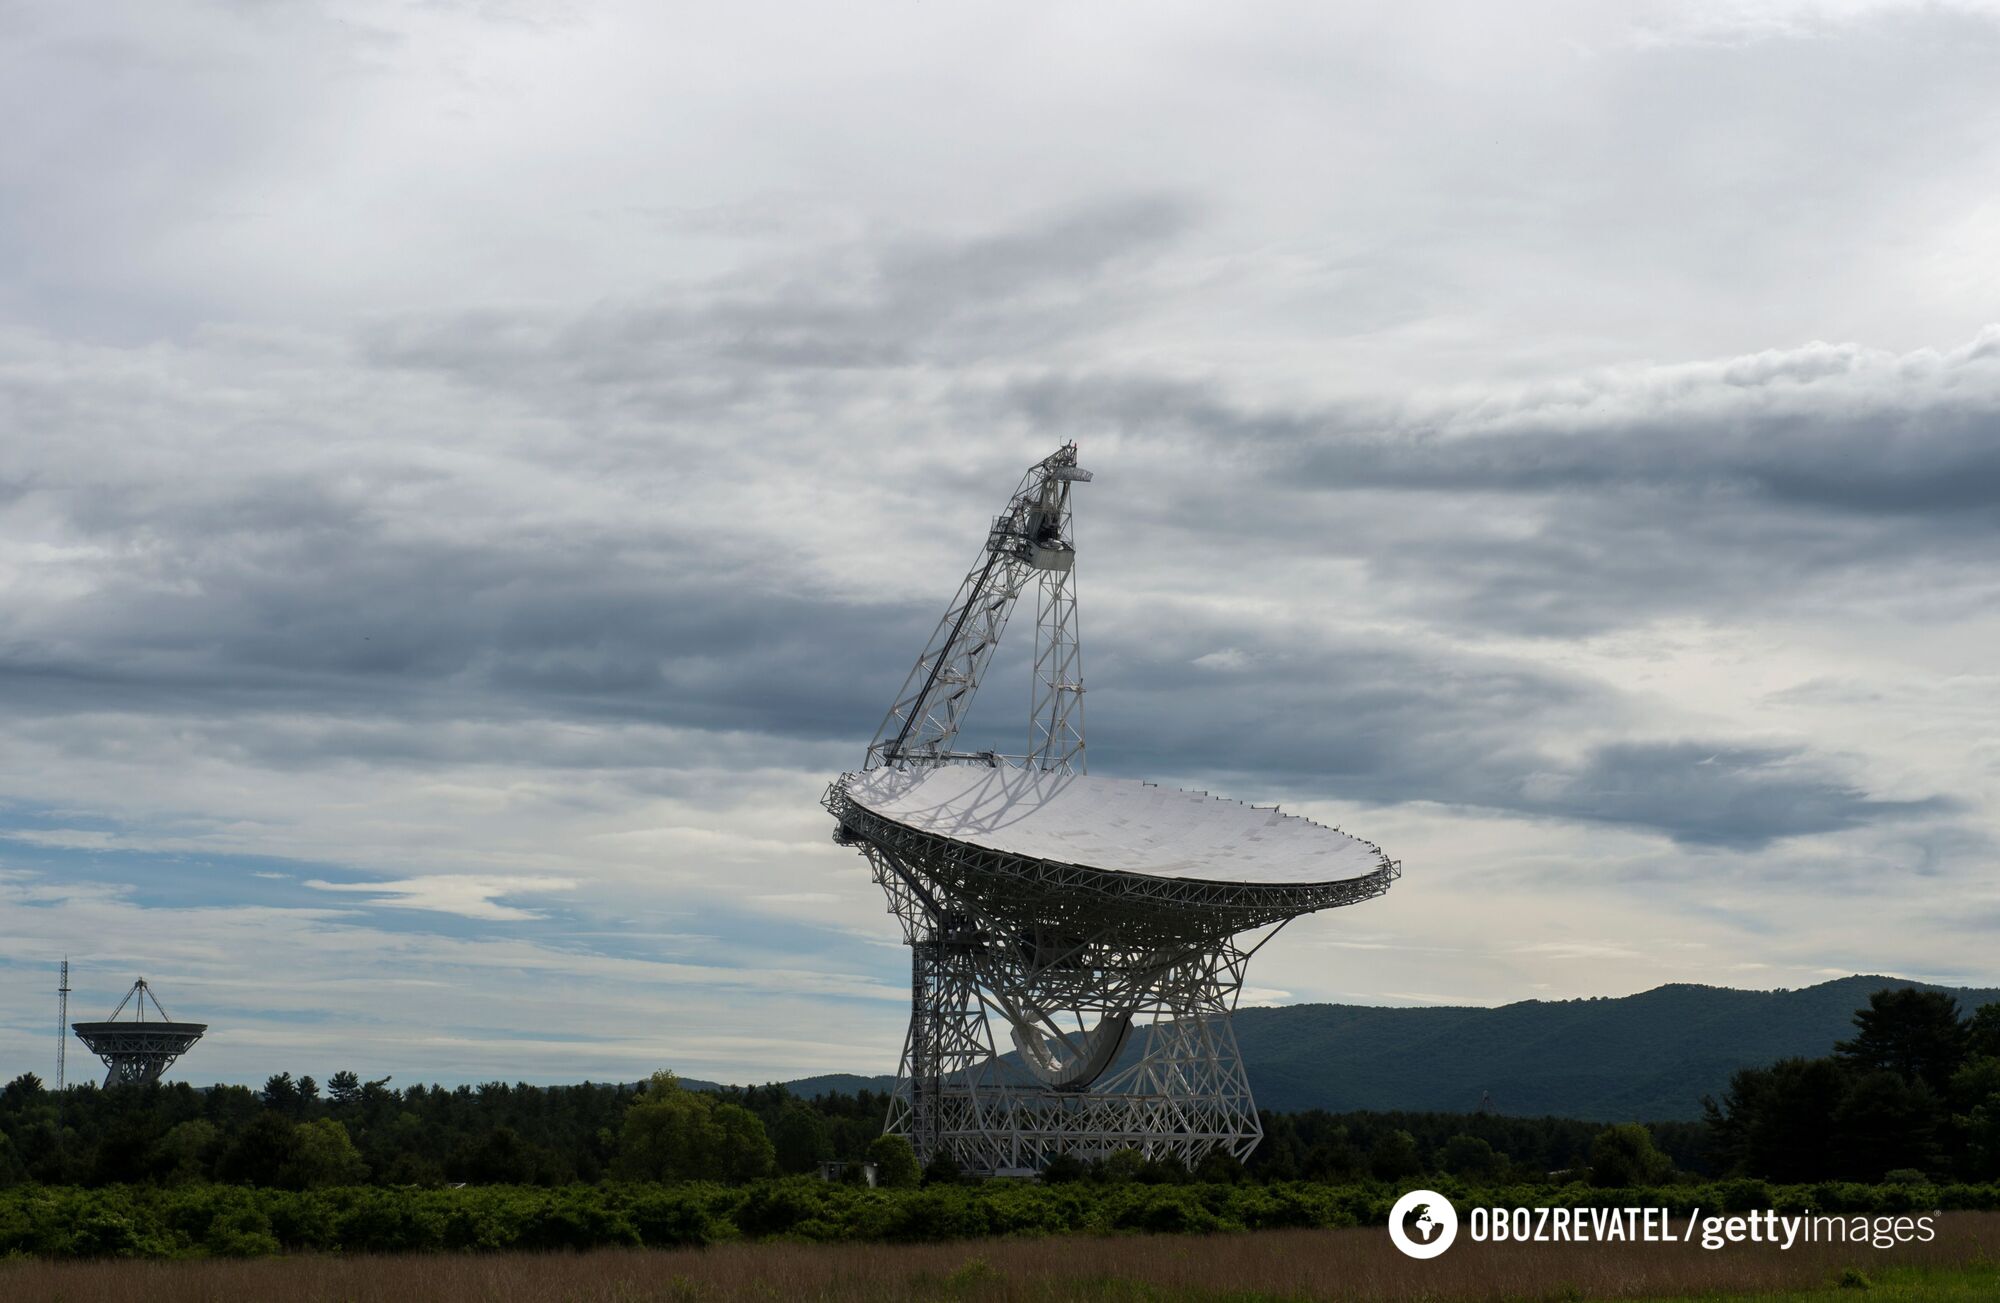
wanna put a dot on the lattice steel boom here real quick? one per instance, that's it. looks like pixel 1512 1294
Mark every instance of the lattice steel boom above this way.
pixel 1032 537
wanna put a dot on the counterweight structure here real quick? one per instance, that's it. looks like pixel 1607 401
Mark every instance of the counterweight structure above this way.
pixel 136 1051
pixel 1102 925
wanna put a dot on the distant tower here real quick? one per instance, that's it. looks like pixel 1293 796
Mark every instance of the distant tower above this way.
pixel 62 1030
pixel 137 1051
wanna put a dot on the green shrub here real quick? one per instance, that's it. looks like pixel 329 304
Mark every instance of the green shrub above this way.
pixel 895 1162
pixel 242 1232
pixel 1625 1155
pixel 777 1207
pixel 671 1217
pixel 1745 1196
pixel 1167 1210
pixel 239 1221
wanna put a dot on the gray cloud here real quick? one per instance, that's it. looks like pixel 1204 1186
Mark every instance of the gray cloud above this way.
pixel 1831 428
pixel 358 623
pixel 1389 723
pixel 891 302
pixel 1816 476
pixel 291 595
pixel 1358 723
pixel 1716 794
pixel 256 584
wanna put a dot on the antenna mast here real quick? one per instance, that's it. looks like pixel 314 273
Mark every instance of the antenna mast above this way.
pixel 62 1031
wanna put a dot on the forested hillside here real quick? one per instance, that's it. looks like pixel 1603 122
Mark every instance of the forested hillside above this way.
pixel 1647 1057
pixel 1910 1095
pixel 1650 1057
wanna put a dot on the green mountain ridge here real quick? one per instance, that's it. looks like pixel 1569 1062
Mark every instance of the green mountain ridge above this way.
pixel 1646 1057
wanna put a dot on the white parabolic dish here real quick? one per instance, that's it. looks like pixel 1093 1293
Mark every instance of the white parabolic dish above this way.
pixel 1113 823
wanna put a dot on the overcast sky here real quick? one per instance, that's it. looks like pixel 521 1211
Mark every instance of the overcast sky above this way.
pixel 470 473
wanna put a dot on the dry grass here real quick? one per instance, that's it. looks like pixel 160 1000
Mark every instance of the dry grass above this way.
pixel 1346 1264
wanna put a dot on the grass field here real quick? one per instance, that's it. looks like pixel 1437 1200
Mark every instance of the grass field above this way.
pixel 1959 1267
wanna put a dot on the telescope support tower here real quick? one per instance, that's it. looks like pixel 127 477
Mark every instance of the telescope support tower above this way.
pixel 1070 1088
pixel 136 1051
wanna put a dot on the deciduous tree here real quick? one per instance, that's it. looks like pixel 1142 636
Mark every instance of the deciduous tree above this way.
pixel 895 1162
pixel 1625 1155
pixel 672 1134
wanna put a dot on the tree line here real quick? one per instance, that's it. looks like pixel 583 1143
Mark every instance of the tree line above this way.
pixel 296 1134
pixel 1915 1092
pixel 1914 1095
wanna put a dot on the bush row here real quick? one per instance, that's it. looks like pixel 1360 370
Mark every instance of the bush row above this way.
pixel 238 1221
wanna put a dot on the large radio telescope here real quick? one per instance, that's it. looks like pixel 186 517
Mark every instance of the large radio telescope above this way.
pixel 1102 924
pixel 136 1051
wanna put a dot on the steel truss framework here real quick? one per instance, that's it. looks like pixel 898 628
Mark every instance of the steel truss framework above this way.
pixel 1031 539
pixel 1041 948
pixel 1115 989
pixel 136 1052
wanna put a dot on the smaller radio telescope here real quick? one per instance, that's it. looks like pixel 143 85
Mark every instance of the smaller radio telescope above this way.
pixel 137 1051
pixel 1101 926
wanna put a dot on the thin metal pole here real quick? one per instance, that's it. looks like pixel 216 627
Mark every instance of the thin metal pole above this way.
pixel 62 1059
pixel 62 1032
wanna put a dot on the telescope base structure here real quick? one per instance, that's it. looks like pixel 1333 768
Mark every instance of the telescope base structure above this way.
pixel 1178 1091
pixel 136 1053
pixel 1063 1009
